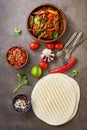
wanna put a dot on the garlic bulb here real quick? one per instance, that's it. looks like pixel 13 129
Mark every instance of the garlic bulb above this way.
pixel 47 55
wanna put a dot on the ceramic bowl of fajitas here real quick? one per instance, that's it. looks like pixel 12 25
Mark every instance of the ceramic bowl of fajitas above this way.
pixel 46 23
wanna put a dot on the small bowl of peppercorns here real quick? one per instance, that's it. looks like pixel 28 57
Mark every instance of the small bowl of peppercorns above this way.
pixel 21 103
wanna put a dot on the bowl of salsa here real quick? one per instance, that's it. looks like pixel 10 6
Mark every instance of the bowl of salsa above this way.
pixel 17 56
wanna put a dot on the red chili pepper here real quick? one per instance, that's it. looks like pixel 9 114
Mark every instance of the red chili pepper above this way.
pixel 64 68
pixel 42 12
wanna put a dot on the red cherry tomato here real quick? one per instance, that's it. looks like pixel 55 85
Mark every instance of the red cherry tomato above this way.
pixel 34 45
pixel 50 45
pixel 43 64
pixel 58 45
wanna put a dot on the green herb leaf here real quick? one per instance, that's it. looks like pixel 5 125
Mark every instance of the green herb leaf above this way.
pixel 55 34
pixel 37 20
pixel 74 72
pixel 21 75
pixel 23 80
pixel 17 31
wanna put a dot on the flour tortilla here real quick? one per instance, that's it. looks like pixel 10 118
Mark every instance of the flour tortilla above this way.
pixel 55 99
pixel 77 89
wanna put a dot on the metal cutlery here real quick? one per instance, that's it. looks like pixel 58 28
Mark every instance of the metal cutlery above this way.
pixel 60 53
pixel 75 44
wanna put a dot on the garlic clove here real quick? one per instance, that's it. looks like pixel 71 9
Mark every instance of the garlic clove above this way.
pixel 47 55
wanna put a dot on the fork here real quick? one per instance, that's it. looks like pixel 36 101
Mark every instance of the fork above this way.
pixel 68 54
pixel 60 53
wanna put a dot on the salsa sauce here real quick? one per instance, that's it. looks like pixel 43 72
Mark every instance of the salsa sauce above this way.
pixel 16 56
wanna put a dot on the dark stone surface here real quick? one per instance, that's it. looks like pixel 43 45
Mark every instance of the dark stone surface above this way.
pixel 14 13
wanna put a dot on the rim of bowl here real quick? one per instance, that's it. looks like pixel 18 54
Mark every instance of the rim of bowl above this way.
pixel 64 21
pixel 28 98
pixel 26 56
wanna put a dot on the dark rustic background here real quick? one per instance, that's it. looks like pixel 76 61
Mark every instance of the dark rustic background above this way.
pixel 14 13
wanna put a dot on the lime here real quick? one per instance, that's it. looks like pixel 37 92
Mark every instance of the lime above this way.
pixel 36 71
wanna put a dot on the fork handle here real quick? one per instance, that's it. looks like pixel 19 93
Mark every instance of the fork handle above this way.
pixel 70 40
pixel 77 39
pixel 83 38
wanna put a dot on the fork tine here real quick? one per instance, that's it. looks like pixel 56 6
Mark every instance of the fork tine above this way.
pixel 68 55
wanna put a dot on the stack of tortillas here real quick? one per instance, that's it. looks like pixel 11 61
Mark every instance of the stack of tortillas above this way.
pixel 55 99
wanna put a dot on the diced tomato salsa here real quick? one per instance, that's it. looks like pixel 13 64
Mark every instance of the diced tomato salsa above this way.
pixel 16 56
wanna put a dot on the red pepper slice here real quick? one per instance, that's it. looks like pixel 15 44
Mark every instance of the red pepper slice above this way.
pixel 64 68
pixel 52 29
pixel 49 21
pixel 50 16
pixel 42 12
pixel 35 28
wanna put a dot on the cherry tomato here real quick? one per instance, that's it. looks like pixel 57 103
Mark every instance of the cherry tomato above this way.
pixel 58 45
pixel 34 45
pixel 43 64
pixel 50 45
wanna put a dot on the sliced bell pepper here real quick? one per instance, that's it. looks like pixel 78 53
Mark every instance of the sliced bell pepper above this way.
pixel 50 16
pixel 53 12
pixel 35 28
pixel 52 29
pixel 55 34
pixel 42 12
pixel 37 20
